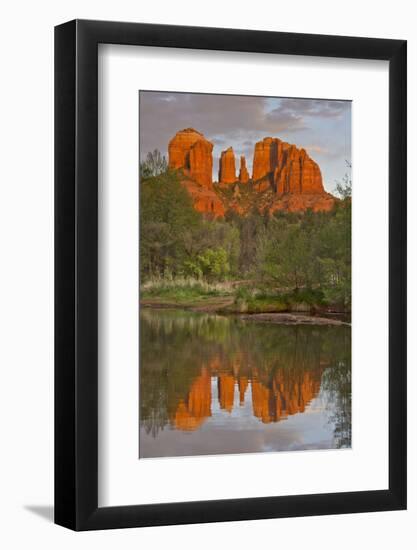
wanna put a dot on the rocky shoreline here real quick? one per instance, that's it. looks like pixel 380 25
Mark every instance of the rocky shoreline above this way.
pixel 292 319
pixel 271 318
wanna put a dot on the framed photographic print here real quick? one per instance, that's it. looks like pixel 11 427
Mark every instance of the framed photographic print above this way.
pixel 230 275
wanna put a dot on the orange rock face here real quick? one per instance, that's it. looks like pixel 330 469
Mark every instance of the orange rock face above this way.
pixel 289 169
pixel 302 202
pixel 189 151
pixel 243 172
pixel 279 168
pixel 205 199
pixel 227 167
pixel 296 172
pixel 265 157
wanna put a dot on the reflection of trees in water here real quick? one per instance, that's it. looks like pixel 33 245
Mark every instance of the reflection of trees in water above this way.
pixel 181 351
pixel 336 383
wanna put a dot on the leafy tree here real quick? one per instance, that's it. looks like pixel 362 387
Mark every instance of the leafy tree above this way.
pixel 154 165
pixel 212 264
pixel 166 215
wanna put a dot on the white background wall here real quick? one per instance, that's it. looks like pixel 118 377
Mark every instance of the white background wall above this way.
pixel 26 288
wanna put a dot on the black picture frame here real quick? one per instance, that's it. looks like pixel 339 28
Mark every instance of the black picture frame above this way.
pixel 76 273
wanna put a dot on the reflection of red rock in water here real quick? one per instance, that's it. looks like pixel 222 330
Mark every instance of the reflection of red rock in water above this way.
pixel 192 412
pixel 242 384
pixel 285 397
pixel 226 387
pixel 272 399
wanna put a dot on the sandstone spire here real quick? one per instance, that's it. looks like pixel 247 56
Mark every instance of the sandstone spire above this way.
pixel 243 172
pixel 191 152
pixel 227 167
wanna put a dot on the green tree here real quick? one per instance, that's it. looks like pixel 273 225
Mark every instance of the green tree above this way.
pixel 154 165
pixel 166 216
pixel 212 264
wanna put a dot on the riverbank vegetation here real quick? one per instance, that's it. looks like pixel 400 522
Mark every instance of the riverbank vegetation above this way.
pixel 254 264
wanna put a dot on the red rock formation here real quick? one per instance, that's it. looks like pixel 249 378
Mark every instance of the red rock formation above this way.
pixel 296 172
pixel 189 151
pixel 265 158
pixel 243 172
pixel 227 166
pixel 289 169
pixel 205 200
pixel 201 162
pixel 301 203
pixel 286 176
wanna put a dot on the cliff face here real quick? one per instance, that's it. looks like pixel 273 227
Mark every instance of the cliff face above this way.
pixel 243 172
pixel 227 168
pixel 289 169
pixel 284 177
pixel 205 200
pixel 191 152
pixel 265 157
pixel 296 172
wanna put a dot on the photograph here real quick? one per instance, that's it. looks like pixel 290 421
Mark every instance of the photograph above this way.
pixel 208 235
pixel 245 274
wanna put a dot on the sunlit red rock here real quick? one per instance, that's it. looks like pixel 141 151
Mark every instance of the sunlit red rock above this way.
pixel 287 177
pixel 201 162
pixel 189 151
pixel 243 172
pixel 227 166
pixel 289 169
pixel 265 158
pixel 301 203
pixel 296 173
pixel 205 200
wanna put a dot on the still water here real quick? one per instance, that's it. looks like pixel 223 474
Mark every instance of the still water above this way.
pixel 212 385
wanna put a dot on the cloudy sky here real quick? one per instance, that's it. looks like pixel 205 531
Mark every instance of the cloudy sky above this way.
pixel 322 127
